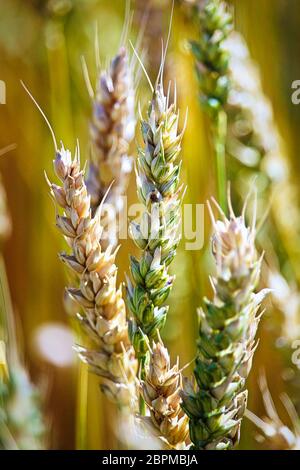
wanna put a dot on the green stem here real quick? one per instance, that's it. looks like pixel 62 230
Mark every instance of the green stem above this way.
pixel 220 132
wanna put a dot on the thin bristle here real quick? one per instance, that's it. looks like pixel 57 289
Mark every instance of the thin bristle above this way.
pixel 42 113
pixel 86 77
pixel 142 66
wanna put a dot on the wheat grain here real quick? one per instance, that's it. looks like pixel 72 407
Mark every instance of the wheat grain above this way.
pixel 226 342
pixel 109 353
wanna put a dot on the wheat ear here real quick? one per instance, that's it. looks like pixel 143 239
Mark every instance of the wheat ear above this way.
pixel 109 354
pixel 157 233
pixel 253 139
pixel 226 343
pixel 161 392
pixel 214 23
pixel 112 129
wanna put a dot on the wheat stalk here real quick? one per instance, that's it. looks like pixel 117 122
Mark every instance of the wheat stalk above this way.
pixel 161 392
pixel 226 343
pixel 112 129
pixel 109 353
pixel 157 233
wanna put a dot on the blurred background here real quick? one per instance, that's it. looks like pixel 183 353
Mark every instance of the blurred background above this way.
pixel 41 42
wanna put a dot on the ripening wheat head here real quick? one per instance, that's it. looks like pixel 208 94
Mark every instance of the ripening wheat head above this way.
pixel 112 129
pixel 214 23
pixel 226 343
pixel 103 317
pixel 158 176
pixel 254 140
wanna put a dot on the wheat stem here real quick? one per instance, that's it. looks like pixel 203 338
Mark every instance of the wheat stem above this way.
pixel 220 132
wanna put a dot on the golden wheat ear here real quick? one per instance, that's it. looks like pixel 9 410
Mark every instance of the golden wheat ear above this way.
pixel 100 307
pixel 112 130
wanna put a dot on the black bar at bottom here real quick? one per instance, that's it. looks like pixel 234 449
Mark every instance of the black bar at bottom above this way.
pixel 134 459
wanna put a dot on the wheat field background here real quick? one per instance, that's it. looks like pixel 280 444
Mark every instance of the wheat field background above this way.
pixel 41 43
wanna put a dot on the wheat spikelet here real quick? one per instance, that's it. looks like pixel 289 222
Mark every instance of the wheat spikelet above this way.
pixel 157 233
pixel 111 131
pixel 109 354
pixel 226 342
pixel 161 392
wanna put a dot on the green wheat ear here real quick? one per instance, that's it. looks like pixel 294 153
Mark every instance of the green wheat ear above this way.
pixel 214 23
pixel 226 343
pixel 158 185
